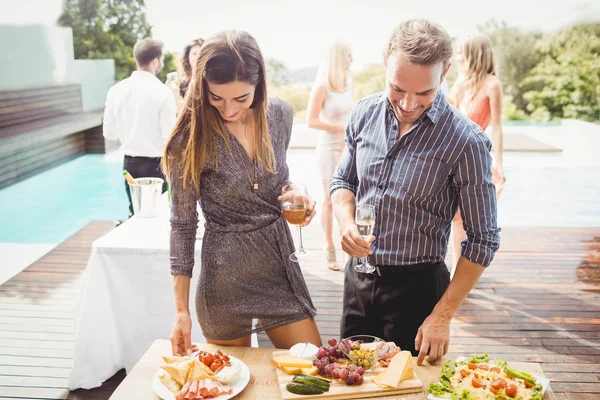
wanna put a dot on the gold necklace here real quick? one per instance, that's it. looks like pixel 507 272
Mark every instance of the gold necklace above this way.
pixel 253 183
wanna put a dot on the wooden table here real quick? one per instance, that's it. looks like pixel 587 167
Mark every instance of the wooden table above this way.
pixel 263 381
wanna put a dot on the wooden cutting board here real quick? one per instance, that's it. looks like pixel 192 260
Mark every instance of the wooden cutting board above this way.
pixel 339 390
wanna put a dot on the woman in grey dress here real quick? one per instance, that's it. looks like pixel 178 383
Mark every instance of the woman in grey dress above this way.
pixel 228 151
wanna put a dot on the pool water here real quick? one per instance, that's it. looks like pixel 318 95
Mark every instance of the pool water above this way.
pixel 55 204
pixel 550 196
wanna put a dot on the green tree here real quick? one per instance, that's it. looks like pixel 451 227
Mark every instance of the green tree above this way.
pixel 514 50
pixel 170 65
pixel 566 82
pixel 368 81
pixel 296 97
pixel 277 73
pixel 106 29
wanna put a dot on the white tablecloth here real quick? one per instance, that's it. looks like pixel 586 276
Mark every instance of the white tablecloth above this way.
pixel 126 299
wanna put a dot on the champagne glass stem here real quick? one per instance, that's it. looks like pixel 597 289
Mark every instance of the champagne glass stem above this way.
pixel 301 249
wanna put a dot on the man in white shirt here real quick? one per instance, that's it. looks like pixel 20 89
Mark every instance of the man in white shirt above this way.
pixel 140 114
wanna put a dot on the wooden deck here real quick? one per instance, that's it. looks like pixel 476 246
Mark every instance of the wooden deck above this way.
pixel 539 301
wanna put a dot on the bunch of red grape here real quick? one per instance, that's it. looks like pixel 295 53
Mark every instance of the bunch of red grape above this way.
pixel 326 363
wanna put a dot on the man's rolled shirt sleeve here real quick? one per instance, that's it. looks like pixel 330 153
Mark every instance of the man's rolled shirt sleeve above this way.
pixel 477 202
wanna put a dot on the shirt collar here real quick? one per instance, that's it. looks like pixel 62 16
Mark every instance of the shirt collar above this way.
pixel 382 97
pixel 143 74
pixel 438 107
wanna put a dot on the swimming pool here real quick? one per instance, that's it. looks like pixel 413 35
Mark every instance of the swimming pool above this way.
pixel 53 205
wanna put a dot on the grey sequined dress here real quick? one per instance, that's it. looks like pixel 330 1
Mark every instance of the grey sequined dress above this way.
pixel 246 274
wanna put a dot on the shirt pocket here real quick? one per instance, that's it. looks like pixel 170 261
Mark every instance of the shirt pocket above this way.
pixel 425 177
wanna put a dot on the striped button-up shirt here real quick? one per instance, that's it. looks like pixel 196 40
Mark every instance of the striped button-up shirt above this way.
pixel 417 182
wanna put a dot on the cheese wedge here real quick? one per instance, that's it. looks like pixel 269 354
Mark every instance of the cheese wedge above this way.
pixel 309 371
pixel 304 350
pixel 400 369
pixel 291 361
pixel 290 370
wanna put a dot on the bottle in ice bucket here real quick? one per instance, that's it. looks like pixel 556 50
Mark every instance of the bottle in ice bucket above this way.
pixel 145 194
pixel 129 178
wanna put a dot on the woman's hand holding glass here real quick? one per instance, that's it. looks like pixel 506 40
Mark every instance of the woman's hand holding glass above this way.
pixel 298 209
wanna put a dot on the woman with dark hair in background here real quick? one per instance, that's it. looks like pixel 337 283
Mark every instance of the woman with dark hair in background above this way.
pixel 228 152
pixel 188 60
pixel 179 81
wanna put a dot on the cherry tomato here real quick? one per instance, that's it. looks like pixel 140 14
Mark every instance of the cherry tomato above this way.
pixel 472 366
pixel 499 383
pixel 464 373
pixel 511 390
pixel 206 358
pixel 495 391
pixel 484 367
pixel 476 383
pixel 216 365
pixel 223 357
pixel 528 384
pixel 495 369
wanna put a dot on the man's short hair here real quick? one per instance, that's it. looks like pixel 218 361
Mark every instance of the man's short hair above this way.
pixel 147 50
pixel 420 42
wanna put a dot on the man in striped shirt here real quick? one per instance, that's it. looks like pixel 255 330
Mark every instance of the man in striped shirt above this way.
pixel 417 160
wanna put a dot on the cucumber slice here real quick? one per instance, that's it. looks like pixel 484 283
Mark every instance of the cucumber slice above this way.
pixel 301 388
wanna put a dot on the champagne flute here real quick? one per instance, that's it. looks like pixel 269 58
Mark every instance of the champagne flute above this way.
pixel 172 80
pixel 294 199
pixel 365 222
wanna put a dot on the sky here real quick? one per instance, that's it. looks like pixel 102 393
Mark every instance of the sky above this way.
pixel 296 32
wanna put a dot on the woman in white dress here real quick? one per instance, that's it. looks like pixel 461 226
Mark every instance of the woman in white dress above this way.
pixel 329 106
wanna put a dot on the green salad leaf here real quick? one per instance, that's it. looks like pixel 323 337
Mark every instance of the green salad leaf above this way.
pixel 464 395
pixel 442 388
pixel 439 390
pixel 447 372
pixel 538 392
pixel 480 358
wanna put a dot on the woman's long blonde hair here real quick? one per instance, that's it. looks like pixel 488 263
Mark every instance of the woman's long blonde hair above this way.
pixel 479 62
pixel 333 71
pixel 225 57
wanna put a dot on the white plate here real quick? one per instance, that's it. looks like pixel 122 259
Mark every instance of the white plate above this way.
pixel 545 382
pixel 242 381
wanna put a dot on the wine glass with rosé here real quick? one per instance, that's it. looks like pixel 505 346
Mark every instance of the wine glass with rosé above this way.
pixel 294 201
